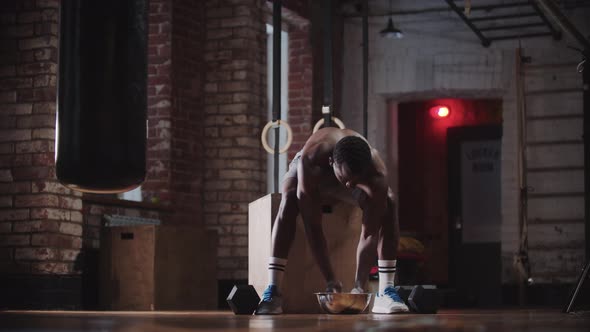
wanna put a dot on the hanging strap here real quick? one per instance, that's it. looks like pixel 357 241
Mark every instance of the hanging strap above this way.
pixel 276 82
pixel 327 32
pixel 365 67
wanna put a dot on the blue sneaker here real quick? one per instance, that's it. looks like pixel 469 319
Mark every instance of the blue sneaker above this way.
pixel 272 302
pixel 389 302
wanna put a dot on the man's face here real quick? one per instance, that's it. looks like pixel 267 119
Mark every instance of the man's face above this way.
pixel 344 174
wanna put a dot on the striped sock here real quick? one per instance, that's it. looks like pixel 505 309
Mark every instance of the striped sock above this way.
pixel 276 270
pixel 386 274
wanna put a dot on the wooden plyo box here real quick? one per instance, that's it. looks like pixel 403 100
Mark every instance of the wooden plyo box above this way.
pixel 303 278
pixel 151 267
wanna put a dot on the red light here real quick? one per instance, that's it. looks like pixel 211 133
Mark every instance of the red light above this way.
pixel 443 112
pixel 440 111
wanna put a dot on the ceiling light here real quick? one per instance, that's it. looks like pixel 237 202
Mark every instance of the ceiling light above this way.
pixel 391 31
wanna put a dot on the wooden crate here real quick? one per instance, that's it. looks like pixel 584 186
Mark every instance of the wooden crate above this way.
pixel 302 277
pixel 151 267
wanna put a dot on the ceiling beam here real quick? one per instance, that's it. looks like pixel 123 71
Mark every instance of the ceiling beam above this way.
pixel 484 41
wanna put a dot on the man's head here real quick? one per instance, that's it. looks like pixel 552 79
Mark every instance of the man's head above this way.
pixel 350 159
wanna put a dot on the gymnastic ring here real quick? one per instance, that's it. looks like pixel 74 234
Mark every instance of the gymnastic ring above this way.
pixel 321 122
pixel 265 132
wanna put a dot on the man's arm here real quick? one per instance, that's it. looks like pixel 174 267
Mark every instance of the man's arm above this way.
pixel 308 177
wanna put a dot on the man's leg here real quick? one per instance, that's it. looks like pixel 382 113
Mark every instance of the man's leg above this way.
pixel 387 300
pixel 283 231
pixel 282 238
pixel 389 233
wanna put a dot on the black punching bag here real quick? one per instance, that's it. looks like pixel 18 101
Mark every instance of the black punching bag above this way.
pixel 102 95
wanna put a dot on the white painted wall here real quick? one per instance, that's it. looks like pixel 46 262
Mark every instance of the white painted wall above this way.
pixel 441 57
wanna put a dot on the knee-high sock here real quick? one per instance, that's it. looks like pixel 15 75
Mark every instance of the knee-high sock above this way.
pixel 386 274
pixel 276 270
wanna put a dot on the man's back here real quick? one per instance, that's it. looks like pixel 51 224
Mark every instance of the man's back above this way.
pixel 315 170
pixel 320 145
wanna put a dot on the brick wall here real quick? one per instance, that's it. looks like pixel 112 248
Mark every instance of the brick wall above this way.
pixel 188 40
pixel 207 104
pixel 175 107
pixel 300 87
pixel 156 188
pixel 40 220
pixel 235 112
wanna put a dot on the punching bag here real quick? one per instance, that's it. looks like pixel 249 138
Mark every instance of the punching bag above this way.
pixel 102 95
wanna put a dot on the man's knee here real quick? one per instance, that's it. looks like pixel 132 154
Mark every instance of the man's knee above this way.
pixel 290 194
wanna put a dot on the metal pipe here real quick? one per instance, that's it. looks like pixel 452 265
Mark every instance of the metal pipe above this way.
pixel 500 5
pixel 276 78
pixel 443 9
pixel 552 10
pixel 586 110
pixel 522 256
pixel 556 33
pixel 484 41
pixel 365 66
pixel 581 280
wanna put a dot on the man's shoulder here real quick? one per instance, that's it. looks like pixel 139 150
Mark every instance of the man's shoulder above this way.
pixel 317 154
pixel 310 167
pixel 379 184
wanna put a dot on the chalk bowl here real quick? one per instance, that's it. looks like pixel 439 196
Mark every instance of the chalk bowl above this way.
pixel 344 303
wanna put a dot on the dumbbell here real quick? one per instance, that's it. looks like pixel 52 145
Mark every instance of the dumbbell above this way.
pixel 423 299
pixel 243 299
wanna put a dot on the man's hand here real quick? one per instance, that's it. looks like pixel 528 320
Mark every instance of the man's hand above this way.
pixel 357 290
pixel 334 286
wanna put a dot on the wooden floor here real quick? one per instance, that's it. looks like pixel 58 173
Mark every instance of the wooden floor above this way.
pixel 459 320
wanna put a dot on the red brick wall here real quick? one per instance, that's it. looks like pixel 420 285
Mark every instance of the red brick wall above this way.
pixel 175 99
pixel 188 74
pixel 207 105
pixel 156 188
pixel 42 227
pixel 300 87
pixel 235 111
pixel 40 220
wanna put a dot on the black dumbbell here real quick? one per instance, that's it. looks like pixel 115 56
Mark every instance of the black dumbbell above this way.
pixel 404 292
pixel 243 299
pixel 423 299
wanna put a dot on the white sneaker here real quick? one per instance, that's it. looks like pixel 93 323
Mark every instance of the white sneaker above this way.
pixel 272 302
pixel 389 302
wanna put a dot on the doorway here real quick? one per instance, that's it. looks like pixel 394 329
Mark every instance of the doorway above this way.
pixel 423 187
pixel 474 155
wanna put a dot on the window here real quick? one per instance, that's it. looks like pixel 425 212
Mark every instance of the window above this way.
pixel 132 195
pixel 284 103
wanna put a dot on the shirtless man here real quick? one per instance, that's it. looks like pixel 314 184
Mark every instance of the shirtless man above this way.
pixel 336 162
